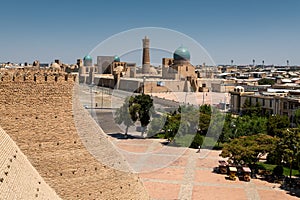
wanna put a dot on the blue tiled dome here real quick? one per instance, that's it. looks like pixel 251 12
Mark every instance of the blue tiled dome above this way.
pixel 181 53
pixel 116 59
pixel 87 57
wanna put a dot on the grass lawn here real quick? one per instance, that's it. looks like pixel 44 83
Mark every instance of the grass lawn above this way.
pixel 186 140
pixel 286 170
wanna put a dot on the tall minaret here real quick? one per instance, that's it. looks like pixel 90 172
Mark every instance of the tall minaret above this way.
pixel 146 56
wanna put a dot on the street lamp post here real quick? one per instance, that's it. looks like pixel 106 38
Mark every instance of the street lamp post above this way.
pixel 225 98
pixel 151 88
pixel 186 93
pixel 102 93
pixel 202 96
pixel 91 91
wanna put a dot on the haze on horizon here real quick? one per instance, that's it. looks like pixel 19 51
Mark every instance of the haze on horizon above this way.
pixel 228 30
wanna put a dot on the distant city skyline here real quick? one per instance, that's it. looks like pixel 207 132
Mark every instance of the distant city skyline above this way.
pixel 229 30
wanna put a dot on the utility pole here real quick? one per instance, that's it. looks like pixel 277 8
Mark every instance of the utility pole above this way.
pixel 92 97
pixel 102 94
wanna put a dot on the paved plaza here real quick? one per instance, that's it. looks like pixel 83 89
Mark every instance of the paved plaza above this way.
pixel 190 175
pixel 170 173
pixel 181 173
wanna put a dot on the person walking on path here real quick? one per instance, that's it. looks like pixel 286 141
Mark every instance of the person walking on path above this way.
pixel 199 147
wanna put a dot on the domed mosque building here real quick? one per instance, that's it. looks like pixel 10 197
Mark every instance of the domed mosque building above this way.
pixel 117 58
pixel 179 67
pixel 87 60
pixel 176 74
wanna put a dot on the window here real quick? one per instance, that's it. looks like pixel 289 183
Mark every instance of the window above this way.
pixel 270 102
pixel 263 102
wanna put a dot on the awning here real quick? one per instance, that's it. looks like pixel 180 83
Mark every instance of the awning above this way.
pixel 246 169
pixel 232 169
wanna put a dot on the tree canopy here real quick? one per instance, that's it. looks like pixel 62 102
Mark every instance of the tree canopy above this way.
pixel 289 144
pixel 276 124
pixel 266 81
pixel 297 117
pixel 127 114
pixel 251 110
pixel 135 108
pixel 145 109
pixel 247 149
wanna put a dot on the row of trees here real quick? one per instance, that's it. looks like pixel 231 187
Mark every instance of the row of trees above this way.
pixel 255 134
pixel 244 138
pixel 187 122
pixel 189 125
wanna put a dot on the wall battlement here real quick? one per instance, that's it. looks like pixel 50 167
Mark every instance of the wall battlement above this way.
pixel 35 75
pixel 39 118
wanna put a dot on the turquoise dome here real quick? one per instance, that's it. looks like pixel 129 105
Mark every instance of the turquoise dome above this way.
pixel 87 57
pixel 116 59
pixel 181 53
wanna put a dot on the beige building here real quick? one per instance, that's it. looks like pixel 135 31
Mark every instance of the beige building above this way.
pixel 180 68
pixel 278 103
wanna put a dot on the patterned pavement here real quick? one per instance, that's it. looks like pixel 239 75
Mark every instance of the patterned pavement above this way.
pixel 177 173
pixel 170 173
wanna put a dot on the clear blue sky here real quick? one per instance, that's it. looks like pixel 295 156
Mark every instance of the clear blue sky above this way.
pixel 241 30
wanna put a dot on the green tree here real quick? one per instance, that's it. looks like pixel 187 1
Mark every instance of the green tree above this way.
pixel 127 114
pixel 251 110
pixel 248 149
pixel 156 126
pixel 216 126
pixel 229 129
pixel 182 123
pixel 205 112
pixel 172 125
pixel 297 117
pixel 206 109
pixel 278 170
pixel 197 141
pixel 276 124
pixel 249 125
pixel 189 120
pixel 290 144
pixel 266 81
pixel 145 108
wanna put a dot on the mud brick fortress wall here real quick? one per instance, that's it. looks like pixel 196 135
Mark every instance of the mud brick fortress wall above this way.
pixel 36 112
pixel 18 178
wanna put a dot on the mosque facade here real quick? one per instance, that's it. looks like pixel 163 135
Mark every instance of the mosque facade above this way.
pixel 177 73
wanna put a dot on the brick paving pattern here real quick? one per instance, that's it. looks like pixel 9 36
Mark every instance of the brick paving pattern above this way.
pixel 170 173
pixel 190 175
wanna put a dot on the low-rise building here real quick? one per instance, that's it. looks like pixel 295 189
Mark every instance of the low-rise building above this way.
pixel 272 102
